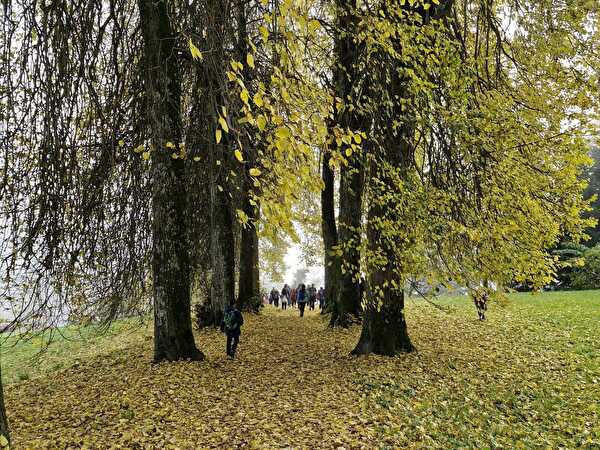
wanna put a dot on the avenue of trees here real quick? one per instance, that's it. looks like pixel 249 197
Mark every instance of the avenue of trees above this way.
pixel 154 151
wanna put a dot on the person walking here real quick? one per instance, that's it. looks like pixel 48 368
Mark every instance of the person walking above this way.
pixel 274 297
pixel 321 296
pixel 284 302
pixel 285 296
pixel 293 295
pixel 302 299
pixel 312 297
pixel 230 325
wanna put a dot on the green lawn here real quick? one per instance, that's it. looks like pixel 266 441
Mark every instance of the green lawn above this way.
pixel 31 356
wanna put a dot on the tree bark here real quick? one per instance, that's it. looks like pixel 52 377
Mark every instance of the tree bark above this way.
pixel 384 329
pixel 173 338
pixel 248 287
pixel 222 239
pixel 347 307
pixel 248 284
pixel 3 420
pixel 330 237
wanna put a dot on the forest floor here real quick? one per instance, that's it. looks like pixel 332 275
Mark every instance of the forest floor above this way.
pixel 528 377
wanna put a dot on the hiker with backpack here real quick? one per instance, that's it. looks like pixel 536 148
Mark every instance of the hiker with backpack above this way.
pixel 302 299
pixel 230 325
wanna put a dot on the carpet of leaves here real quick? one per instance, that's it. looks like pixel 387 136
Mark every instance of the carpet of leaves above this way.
pixel 518 380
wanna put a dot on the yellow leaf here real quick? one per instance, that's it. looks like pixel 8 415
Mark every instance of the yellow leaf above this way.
pixel 196 158
pixel 261 121
pixel 170 145
pixel 348 152
pixel 196 53
pixel 146 155
pixel 357 138
pixel 250 60
pixel 238 156
pixel 244 96
pixel 254 172
pixel 218 135
pixel 223 124
pixel 258 100
pixel 121 143
pixel 283 133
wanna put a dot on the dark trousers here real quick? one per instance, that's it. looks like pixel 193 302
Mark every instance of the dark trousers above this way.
pixel 301 306
pixel 283 305
pixel 232 343
pixel 311 305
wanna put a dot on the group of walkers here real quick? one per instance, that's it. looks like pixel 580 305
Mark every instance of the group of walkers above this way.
pixel 300 296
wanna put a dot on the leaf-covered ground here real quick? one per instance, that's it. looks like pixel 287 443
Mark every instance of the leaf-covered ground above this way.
pixel 528 377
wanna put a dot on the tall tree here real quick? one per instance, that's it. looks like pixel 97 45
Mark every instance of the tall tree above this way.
pixel 248 284
pixel 347 237
pixel 173 338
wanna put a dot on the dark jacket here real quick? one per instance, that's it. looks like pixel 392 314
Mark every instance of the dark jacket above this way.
pixel 239 319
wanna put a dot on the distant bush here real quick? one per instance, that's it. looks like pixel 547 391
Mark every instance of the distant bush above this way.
pixel 587 276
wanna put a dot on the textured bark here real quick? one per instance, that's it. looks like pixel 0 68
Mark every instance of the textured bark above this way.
pixel 222 238
pixel 222 243
pixel 3 420
pixel 347 306
pixel 330 237
pixel 384 329
pixel 173 338
pixel 248 284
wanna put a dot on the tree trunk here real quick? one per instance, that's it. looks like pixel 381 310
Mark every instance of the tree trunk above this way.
pixel 384 330
pixel 173 338
pixel 348 304
pixel 330 238
pixel 222 241
pixel 3 420
pixel 248 285
pixel 347 307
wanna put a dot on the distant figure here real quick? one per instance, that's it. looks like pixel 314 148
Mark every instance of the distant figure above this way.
pixel 312 297
pixel 321 296
pixel 302 299
pixel 274 297
pixel 230 325
pixel 480 299
pixel 285 296
pixel 293 296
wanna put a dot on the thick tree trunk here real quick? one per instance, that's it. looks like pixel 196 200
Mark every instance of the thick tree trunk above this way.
pixel 3 420
pixel 330 238
pixel 347 307
pixel 222 243
pixel 173 338
pixel 348 304
pixel 248 287
pixel 384 329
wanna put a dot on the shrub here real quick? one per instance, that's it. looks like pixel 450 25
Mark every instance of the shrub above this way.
pixel 587 276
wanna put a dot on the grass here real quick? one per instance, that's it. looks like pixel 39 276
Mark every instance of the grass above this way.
pixel 34 355
pixel 528 377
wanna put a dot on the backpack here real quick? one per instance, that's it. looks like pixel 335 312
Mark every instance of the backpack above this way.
pixel 230 320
